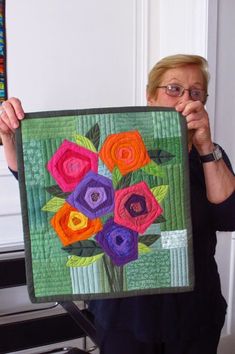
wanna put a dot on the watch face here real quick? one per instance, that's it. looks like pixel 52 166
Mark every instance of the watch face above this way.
pixel 217 153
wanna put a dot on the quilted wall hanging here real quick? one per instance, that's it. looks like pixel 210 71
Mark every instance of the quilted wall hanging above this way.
pixel 105 203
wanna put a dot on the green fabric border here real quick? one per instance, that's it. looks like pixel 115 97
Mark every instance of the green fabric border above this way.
pixel 106 110
pixel 24 208
pixel 187 204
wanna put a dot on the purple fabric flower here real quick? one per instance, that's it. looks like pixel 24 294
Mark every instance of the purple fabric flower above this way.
pixel 119 242
pixel 93 196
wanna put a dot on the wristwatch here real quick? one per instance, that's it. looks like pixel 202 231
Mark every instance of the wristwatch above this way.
pixel 216 155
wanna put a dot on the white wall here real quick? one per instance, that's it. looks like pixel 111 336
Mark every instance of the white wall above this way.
pixel 11 234
pixel 95 53
pixel 74 53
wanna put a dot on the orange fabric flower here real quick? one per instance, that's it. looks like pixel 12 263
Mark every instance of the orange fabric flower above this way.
pixel 71 225
pixel 124 150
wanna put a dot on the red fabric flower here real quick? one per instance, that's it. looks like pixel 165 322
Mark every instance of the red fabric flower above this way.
pixel 136 207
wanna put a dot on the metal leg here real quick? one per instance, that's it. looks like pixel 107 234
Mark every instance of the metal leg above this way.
pixel 80 317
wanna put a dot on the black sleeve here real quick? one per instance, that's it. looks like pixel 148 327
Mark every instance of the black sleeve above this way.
pixel 15 173
pixel 224 214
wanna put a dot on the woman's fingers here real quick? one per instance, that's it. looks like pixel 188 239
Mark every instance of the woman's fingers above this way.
pixel 11 112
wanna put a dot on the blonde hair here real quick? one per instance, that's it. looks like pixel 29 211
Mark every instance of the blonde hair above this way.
pixel 175 61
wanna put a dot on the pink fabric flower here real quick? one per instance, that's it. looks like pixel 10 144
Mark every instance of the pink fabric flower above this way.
pixel 70 163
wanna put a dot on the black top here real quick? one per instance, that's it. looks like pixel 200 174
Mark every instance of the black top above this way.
pixel 182 315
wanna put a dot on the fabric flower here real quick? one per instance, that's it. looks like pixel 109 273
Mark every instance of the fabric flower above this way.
pixel 124 150
pixel 71 225
pixel 136 207
pixel 93 196
pixel 70 163
pixel 120 243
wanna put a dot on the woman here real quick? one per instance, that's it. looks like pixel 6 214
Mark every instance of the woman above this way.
pixel 184 323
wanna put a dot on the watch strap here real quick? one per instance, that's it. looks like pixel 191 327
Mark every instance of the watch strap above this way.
pixel 215 155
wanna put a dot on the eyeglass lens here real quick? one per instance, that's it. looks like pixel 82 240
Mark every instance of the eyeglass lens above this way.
pixel 177 91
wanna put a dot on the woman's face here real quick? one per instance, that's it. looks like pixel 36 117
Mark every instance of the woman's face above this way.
pixel 189 77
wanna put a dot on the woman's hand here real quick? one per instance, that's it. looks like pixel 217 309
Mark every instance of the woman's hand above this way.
pixel 11 112
pixel 198 124
pixel 220 182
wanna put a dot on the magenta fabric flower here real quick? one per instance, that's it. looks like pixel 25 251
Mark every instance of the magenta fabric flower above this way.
pixel 93 196
pixel 136 207
pixel 119 242
pixel 70 163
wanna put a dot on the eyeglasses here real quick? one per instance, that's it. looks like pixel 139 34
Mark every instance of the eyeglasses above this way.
pixel 175 90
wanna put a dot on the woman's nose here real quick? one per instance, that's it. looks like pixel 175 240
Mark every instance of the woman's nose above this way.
pixel 186 96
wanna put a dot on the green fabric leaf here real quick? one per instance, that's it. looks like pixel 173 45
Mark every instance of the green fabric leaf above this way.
pixel 125 181
pixel 160 156
pixel 87 248
pixel 56 191
pixel 160 192
pixel 94 135
pixel 75 261
pixel 159 220
pixel 148 240
pixel 53 204
pixel 85 142
pixel 153 169
pixel 116 176
pixel 142 248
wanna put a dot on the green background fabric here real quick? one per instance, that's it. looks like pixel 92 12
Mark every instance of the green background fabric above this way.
pixel 167 268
